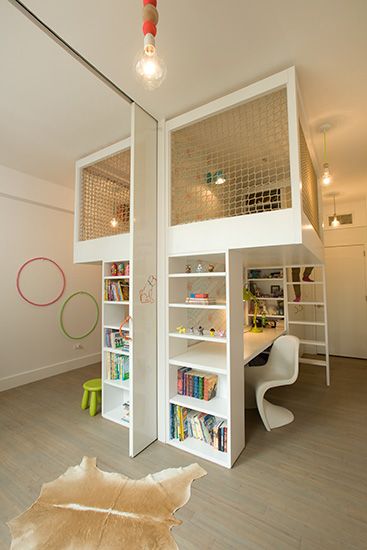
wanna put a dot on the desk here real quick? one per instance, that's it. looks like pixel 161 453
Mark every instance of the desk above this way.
pixel 256 342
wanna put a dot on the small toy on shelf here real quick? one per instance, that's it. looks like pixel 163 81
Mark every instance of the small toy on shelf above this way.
pixel 181 329
pixel 199 267
pixel 200 330
pixel 212 332
pixel 127 270
pixel 187 268
pixel 221 333
pixel 114 270
pixel 210 268
pixel 191 330
pixel 121 269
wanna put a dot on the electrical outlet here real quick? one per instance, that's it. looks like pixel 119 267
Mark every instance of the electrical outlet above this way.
pixel 78 346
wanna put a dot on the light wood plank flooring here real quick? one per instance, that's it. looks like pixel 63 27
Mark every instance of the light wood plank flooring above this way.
pixel 302 486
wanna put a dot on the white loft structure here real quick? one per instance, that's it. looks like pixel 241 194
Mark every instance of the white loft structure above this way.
pixel 115 222
pixel 238 189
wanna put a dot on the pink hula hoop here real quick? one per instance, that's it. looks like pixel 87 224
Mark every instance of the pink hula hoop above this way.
pixel 47 260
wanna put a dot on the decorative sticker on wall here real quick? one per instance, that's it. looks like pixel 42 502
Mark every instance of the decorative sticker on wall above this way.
pixel 43 259
pixel 62 326
pixel 146 293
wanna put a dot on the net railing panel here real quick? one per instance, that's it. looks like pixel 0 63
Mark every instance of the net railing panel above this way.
pixel 247 146
pixel 105 197
pixel 309 184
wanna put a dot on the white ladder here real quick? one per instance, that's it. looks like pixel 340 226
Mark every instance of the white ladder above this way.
pixel 308 311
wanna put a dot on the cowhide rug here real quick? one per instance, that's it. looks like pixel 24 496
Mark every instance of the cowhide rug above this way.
pixel 88 509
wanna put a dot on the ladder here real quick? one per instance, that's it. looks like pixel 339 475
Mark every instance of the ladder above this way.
pixel 307 318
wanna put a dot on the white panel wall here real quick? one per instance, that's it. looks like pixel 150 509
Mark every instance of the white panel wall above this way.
pixel 31 344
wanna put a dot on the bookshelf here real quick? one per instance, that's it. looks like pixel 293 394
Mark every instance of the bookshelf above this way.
pixel 210 354
pixel 116 360
pixel 269 285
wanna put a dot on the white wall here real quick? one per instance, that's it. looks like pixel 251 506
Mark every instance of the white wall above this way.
pixel 37 220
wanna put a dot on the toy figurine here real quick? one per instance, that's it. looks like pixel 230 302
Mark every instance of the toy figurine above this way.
pixel 191 330
pixel 212 332
pixel 199 268
pixel 221 333
pixel 181 329
pixel 121 269
pixel 188 268
pixel 201 330
pixel 114 270
pixel 210 268
pixel 127 270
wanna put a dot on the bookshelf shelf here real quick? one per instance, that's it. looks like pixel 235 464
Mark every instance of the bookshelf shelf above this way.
pixel 122 384
pixel 216 406
pixel 116 277
pixel 269 316
pixel 188 336
pixel 191 275
pixel 117 327
pixel 202 450
pixel 195 306
pixel 115 415
pixel 303 303
pixel 207 357
pixel 116 351
pixel 117 302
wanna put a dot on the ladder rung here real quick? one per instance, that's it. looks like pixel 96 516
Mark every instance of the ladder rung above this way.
pixel 312 342
pixel 317 362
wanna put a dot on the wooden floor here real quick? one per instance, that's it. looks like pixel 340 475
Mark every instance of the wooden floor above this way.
pixel 302 486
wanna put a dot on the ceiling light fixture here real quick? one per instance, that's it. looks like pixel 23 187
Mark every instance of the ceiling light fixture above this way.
pixel 335 222
pixel 326 176
pixel 150 68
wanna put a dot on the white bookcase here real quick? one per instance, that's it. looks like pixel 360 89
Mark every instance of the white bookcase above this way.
pixel 115 391
pixel 220 354
pixel 263 282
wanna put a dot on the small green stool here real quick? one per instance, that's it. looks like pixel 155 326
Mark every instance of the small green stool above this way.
pixel 94 388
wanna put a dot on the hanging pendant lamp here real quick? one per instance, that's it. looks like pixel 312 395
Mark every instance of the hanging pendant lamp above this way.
pixel 335 222
pixel 326 176
pixel 150 68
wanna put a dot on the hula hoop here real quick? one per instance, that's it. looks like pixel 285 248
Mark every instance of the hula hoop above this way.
pixel 126 320
pixel 62 326
pixel 47 260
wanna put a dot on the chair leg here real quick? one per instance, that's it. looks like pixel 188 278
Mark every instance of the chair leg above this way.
pixel 272 415
pixel 93 403
pixel 85 398
pixel 99 397
pixel 260 407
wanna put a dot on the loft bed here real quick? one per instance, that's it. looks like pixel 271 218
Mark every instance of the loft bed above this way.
pixel 240 175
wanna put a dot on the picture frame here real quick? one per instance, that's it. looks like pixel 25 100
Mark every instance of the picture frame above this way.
pixel 275 290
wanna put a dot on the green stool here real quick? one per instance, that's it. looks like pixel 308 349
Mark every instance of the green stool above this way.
pixel 93 387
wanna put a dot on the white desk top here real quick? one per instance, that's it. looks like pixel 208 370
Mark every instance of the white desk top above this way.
pixel 256 342
pixel 212 355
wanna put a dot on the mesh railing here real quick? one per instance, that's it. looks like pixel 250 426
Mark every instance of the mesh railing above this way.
pixel 232 163
pixel 105 197
pixel 309 183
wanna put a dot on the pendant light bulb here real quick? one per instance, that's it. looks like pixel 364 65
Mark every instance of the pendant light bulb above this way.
pixel 335 221
pixel 150 69
pixel 326 176
pixel 114 222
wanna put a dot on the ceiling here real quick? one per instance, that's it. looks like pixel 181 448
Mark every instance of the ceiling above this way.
pixel 212 48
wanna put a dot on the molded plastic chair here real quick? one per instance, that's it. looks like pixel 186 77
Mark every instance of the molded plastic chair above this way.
pixel 92 395
pixel 281 369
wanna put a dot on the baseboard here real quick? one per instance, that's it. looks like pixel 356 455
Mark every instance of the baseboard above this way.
pixel 26 377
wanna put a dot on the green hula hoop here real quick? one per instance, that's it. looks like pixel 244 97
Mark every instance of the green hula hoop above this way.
pixel 62 326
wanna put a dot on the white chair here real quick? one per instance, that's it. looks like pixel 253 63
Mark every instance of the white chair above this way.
pixel 281 369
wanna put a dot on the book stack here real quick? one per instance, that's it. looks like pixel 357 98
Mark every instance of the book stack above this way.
pixel 114 340
pixel 117 367
pixel 116 291
pixel 196 384
pixel 201 299
pixel 186 423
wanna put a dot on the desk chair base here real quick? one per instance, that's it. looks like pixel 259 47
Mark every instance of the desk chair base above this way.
pixel 273 416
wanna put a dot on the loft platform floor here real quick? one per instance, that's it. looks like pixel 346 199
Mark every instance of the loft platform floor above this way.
pixel 303 486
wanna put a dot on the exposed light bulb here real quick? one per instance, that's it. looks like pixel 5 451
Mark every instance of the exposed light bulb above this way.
pixel 335 221
pixel 219 177
pixel 326 176
pixel 114 222
pixel 150 69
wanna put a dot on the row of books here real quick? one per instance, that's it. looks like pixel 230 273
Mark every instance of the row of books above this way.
pixel 196 384
pixel 199 298
pixel 117 367
pixel 186 423
pixel 116 291
pixel 114 340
